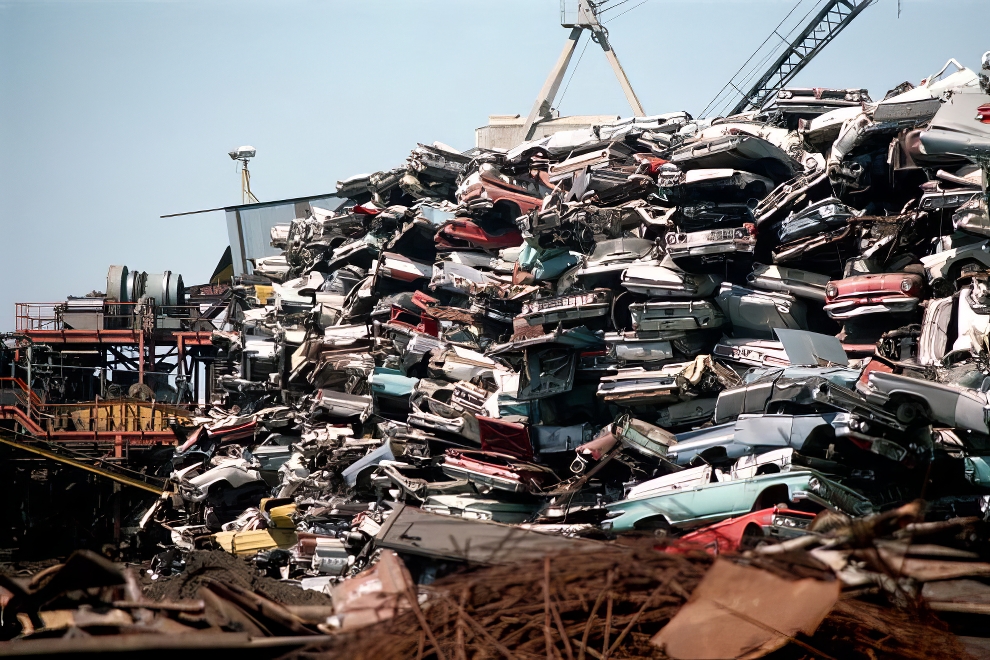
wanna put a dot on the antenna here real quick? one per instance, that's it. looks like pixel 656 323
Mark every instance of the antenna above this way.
pixel 579 15
pixel 244 154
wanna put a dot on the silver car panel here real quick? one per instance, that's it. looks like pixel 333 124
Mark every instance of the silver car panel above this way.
pixel 934 341
pixel 567 308
pixel 952 406
pixel 754 352
pixel 633 349
pixel 819 217
pixel 799 283
pixel 677 315
pixel 710 242
pixel 972 216
pixel 340 404
pixel 663 282
pixel 756 313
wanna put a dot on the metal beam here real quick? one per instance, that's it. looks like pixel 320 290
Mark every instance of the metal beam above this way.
pixel 620 73
pixel 549 91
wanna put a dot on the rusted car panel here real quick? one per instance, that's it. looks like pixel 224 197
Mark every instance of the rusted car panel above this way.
pixel 643 437
pixel 638 386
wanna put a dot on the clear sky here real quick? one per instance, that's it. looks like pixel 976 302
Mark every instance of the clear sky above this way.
pixel 113 112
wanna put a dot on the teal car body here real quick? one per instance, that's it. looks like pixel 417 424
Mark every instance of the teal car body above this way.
pixel 704 501
pixel 391 382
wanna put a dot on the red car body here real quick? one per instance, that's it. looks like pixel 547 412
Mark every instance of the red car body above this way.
pixel 505 438
pixel 488 186
pixel 458 234
pixel 412 321
pixel 402 268
pixel 501 471
pixel 871 294
pixel 728 535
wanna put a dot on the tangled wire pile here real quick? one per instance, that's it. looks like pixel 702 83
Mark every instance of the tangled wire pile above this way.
pixel 610 606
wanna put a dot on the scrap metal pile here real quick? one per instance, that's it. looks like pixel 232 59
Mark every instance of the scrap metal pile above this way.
pixel 732 332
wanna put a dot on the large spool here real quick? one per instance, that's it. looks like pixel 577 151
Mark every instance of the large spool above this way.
pixel 117 283
pixel 165 288
pixel 129 286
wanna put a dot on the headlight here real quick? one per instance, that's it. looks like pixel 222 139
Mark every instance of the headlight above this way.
pixel 854 96
pixel 906 285
pixel 671 239
pixel 831 291
pixel 785 94
pixel 681 238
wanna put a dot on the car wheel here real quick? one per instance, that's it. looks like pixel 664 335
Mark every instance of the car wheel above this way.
pixel 656 524
pixel 909 411
pixel 752 537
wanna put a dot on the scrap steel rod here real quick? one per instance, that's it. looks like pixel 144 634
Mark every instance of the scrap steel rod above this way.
pixel 119 478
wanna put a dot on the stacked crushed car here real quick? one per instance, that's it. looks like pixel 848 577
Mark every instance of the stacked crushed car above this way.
pixel 658 324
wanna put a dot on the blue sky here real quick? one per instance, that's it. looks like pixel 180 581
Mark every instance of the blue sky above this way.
pixel 114 112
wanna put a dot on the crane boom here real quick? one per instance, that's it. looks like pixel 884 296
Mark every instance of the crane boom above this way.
pixel 794 55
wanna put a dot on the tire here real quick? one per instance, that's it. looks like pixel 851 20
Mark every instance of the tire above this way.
pixel 752 537
pixel 656 524
pixel 909 412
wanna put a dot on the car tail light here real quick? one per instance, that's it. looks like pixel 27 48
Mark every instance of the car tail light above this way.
pixel 861 443
pixel 750 228
pixel 831 291
pixel 983 113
